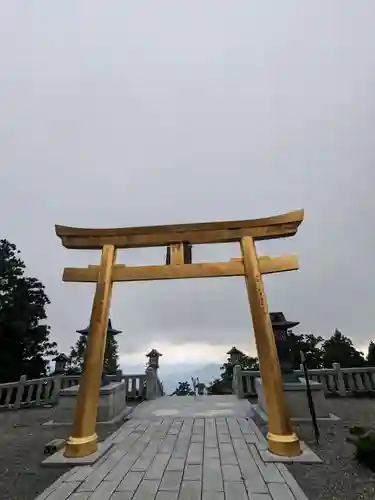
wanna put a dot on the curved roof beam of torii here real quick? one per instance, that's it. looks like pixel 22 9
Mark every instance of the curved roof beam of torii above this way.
pixel 278 226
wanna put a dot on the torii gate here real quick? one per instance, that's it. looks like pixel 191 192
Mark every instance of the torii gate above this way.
pixel 178 239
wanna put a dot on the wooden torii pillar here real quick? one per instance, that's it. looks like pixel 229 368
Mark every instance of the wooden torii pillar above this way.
pixel 178 239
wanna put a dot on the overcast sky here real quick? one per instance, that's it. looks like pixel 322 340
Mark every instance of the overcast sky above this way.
pixel 131 113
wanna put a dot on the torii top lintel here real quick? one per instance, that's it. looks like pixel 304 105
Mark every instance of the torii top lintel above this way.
pixel 278 226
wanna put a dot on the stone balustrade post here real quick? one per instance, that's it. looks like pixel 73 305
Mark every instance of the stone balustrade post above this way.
pixel 238 382
pixel 20 391
pixel 340 379
pixel 150 383
pixel 57 382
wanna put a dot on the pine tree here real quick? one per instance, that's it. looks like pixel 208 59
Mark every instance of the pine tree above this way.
pixel 223 385
pixel 77 355
pixel 24 340
pixel 111 355
pixel 340 349
pixel 183 389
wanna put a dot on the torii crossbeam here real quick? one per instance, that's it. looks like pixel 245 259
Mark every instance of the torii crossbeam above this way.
pixel 179 238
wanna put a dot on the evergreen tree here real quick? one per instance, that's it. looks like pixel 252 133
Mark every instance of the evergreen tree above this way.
pixel 340 349
pixel 309 344
pixel 223 385
pixel 77 355
pixel 246 363
pixel 183 389
pixel 24 340
pixel 111 355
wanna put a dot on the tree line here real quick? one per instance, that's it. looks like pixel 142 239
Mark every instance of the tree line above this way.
pixel 26 347
pixel 319 353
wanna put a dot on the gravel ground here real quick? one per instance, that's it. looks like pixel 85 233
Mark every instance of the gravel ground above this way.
pixel 339 477
pixel 22 441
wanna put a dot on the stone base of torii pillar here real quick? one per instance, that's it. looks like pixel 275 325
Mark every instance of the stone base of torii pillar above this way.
pixel 111 406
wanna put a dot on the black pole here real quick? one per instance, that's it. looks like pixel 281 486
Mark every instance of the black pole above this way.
pixel 187 253
pixel 309 398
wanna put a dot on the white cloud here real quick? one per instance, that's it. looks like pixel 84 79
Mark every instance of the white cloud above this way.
pixel 135 113
pixel 178 354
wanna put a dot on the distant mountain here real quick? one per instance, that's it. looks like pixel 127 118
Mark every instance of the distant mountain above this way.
pixel 171 376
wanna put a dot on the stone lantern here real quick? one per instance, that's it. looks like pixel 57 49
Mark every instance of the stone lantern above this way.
pixel 281 326
pixel 60 363
pixel 153 359
pixel 234 360
pixel 295 387
pixel 234 356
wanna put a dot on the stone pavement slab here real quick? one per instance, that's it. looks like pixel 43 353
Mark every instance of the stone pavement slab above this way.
pixel 192 407
pixel 186 456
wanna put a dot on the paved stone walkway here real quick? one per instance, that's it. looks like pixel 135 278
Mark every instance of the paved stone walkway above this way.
pixel 193 407
pixel 182 454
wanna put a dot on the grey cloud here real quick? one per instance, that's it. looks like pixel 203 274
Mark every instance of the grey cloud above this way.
pixel 160 112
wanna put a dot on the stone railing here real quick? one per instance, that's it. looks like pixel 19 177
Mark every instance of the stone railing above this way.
pixel 45 391
pixel 26 393
pixel 336 381
pixel 135 386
